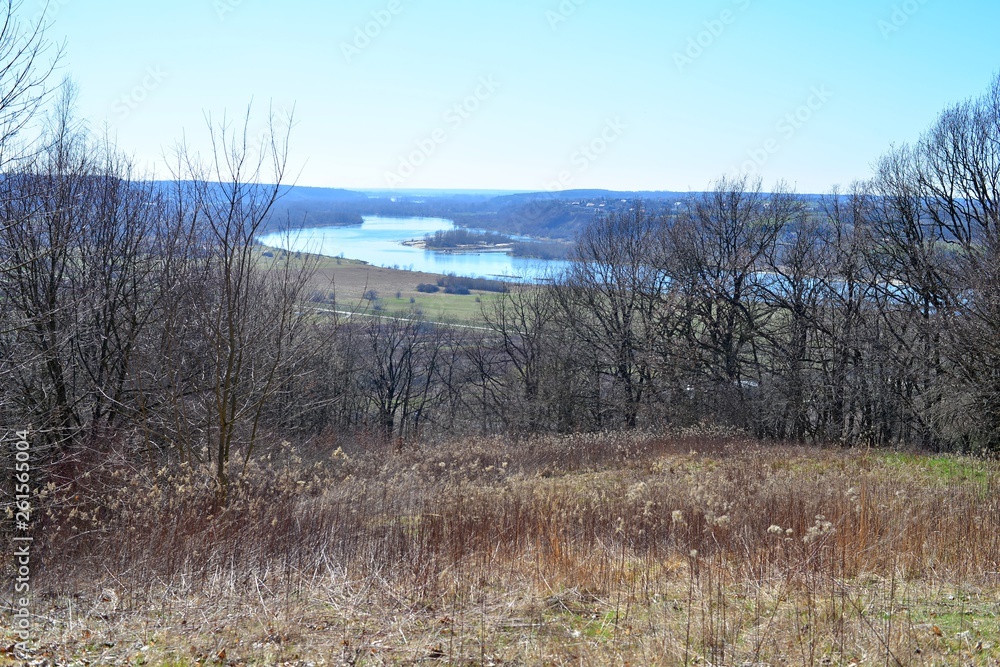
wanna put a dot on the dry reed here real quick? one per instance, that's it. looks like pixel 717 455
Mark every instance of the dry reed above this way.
pixel 597 550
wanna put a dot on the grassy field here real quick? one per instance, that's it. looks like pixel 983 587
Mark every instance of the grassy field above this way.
pixel 583 550
pixel 344 284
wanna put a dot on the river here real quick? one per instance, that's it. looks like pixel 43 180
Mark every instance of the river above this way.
pixel 379 241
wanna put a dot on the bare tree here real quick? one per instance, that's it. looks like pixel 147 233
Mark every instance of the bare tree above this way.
pixel 27 60
pixel 609 298
pixel 248 309
pixel 848 296
pixel 794 287
pixel 400 372
pixel 958 171
pixel 522 320
pixel 79 271
pixel 717 250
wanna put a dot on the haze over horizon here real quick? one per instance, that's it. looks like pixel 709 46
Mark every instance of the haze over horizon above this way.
pixel 532 95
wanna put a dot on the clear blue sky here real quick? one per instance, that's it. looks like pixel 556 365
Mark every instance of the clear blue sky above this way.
pixel 620 77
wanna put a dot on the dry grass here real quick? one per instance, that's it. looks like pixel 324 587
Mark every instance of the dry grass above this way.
pixel 593 550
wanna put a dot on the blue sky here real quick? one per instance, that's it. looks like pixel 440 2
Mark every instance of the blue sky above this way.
pixel 534 94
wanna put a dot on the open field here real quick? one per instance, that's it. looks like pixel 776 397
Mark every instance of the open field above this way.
pixel 582 550
pixel 349 281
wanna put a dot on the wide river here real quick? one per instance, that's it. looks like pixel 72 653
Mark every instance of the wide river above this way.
pixel 379 241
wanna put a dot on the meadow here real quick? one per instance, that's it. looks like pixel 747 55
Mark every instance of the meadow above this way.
pixel 688 548
pixel 345 285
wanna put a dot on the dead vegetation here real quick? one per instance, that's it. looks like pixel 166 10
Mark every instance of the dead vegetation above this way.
pixel 594 550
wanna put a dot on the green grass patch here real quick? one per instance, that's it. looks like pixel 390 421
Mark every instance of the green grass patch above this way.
pixel 945 470
pixel 440 307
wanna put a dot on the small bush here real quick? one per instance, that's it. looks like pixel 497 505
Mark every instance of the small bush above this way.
pixel 320 296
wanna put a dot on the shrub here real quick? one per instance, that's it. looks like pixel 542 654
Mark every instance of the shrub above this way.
pixel 453 284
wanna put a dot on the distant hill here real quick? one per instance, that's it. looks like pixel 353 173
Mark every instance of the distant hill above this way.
pixel 568 195
pixel 306 207
pixel 303 195
pixel 318 207
pixel 558 216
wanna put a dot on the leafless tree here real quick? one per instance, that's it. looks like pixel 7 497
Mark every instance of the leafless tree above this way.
pixel 793 286
pixel 248 307
pixel 958 172
pixel 846 309
pixel 522 320
pixel 79 268
pixel 610 297
pixel 400 371
pixel 717 250
pixel 27 60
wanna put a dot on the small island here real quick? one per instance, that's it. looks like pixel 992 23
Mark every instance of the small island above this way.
pixel 463 240
pixel 457 241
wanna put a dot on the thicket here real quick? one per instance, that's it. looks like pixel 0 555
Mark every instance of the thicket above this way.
pixel 453 284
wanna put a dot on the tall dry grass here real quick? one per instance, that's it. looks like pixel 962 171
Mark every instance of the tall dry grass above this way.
pixel 598 549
